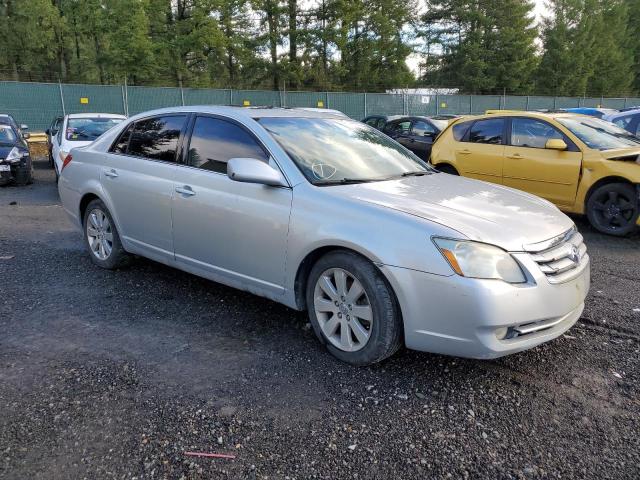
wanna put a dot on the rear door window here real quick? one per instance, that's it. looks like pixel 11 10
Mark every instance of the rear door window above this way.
pixel 215 141
pixel 488 131
pixel 459 130
pixel 122 143
pixel 157 138
pixel 399 127
pixel 421 128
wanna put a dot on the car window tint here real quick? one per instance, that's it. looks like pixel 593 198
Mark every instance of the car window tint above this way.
pixel 121 144
pixel 459 130
pixel 421 127
pixel 214 142
pixel 487 131
pixel 527 132
pixel 381 123
pixel 401 127
pixel 623 122
pixel 372 121
pixel 157 138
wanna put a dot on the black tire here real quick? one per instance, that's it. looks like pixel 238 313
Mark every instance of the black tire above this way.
pixel 51 162
pixel 386 332
pixel 613 208
pixel 118 257
pixel 23 174
pixel 446 168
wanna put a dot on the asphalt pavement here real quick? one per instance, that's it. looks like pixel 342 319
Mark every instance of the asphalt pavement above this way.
pixel 118 374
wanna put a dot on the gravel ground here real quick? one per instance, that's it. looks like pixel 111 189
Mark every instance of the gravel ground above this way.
pixel 117 374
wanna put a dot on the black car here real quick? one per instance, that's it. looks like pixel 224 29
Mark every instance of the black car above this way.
pixel 15 160
pixel 416 133
pixel 5 118
pixel 379 121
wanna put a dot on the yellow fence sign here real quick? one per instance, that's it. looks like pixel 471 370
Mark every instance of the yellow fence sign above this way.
pixel 84 100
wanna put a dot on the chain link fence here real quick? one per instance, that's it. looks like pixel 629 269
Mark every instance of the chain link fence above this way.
pixel 36 104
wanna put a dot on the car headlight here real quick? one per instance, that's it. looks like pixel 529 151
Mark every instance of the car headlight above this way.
pixel 15 155
pixel 480 260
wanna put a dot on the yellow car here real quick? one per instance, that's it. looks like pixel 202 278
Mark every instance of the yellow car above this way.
pixel 581 164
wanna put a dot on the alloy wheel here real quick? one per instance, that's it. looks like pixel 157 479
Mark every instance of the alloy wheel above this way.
pixel 343 310
pixel 99 234
pixel 613 210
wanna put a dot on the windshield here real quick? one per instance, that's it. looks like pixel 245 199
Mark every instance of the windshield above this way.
pixel 334 151
pixel 598 134
pixel 88 129
pixel 7 135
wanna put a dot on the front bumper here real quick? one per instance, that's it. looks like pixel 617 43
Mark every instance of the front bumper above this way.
pixel 7 176
pixel 473 318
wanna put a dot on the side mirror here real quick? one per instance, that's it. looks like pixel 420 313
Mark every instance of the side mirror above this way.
pixel 252 170
pixel 26 135
pixel 555 144
pixel 24 127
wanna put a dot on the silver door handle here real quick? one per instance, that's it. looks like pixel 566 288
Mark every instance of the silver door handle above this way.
pixel 111 173
pixel 185 191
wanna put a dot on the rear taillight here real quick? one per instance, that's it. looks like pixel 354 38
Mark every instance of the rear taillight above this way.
pixel 67 161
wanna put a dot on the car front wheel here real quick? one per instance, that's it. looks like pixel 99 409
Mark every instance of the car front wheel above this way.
pixel 102 238
pixel 352 309
pixel 613 209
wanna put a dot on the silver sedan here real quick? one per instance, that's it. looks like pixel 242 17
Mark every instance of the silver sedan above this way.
pixel 325 214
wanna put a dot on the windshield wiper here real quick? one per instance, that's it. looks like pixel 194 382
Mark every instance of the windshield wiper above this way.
pixel 418 173
pixel 348 181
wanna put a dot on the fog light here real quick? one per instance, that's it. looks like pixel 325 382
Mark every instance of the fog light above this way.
pixel 501 332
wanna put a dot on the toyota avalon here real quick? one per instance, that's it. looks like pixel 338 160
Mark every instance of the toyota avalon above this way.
pixel 326 214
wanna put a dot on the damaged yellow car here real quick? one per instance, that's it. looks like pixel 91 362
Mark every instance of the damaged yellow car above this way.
pixel 582 164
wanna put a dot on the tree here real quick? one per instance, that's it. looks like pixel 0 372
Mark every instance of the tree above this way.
pixel 582 40
pixel 485 46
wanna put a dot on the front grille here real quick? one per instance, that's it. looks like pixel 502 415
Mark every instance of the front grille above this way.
pixel 561 258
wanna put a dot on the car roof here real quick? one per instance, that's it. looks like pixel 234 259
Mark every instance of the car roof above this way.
pixel 524 113
pixel 95 115
pixel 624 113
pixel 245 112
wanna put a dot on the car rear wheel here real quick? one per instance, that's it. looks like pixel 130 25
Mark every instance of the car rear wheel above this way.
pixel 352 309
pixel 446 168
pixel 613 208
pixel 102 238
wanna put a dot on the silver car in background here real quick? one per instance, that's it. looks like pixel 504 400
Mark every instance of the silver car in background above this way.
pixel 323 213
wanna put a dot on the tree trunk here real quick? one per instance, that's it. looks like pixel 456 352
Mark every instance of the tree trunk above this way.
pixel 293 40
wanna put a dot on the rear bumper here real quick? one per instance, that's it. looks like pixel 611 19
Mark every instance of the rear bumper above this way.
pixel 473 318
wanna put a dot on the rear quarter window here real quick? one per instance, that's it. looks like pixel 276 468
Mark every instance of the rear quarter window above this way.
pixel 459 130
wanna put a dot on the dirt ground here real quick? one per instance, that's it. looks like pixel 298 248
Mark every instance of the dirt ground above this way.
pixel 118 374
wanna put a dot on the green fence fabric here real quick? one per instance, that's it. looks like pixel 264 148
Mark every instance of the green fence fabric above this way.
pixel 36 104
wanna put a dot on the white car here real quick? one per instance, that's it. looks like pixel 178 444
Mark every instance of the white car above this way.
pixel 78 130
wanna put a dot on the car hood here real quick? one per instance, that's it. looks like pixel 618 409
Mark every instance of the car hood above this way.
pixel 622 153
pixel 478 210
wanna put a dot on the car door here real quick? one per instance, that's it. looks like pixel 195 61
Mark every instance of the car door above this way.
pixel 529 166
pixel 226 230
pixel 480 153
pixel 56 142
pixel 137 177
pixel 421 139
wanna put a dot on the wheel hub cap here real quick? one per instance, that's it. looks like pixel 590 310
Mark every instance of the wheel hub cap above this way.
pixel 343 310
pixel 99 234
